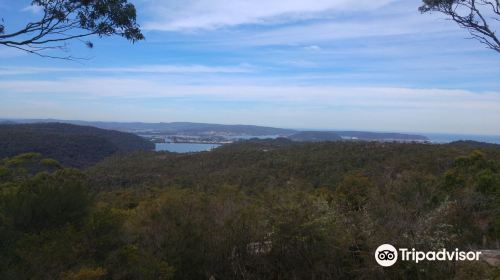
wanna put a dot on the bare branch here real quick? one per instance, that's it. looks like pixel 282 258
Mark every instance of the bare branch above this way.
pixel 37 52
pixel 471 15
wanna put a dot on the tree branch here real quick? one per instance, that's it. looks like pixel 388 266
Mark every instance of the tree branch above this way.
pixel 67 20
pixel 473 19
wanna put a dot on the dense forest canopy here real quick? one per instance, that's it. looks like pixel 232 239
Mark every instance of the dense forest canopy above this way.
pixel 252 210
pixel 75 146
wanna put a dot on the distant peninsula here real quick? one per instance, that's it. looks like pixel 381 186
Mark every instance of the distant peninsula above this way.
pixel 223 133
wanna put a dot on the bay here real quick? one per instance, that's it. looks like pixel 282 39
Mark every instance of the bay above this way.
pixel 185 147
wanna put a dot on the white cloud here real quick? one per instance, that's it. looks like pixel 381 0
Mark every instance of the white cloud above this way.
pixel 410 23
pixel 381 108
pixel 210 14
pixel 236 90
pixel 313 48
pixel 302 63
pixel 145 69
pixel 331 22
pixel 34 9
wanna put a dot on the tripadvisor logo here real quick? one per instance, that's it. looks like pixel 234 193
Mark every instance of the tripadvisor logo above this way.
pixel 387 255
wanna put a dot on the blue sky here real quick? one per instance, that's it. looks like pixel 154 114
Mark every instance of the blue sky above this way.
pixel 319 64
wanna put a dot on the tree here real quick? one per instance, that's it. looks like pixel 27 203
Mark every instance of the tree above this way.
pixel 477 16
pixel 66 20
pixel 47 201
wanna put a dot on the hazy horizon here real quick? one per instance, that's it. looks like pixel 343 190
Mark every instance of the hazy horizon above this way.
pixel 265 125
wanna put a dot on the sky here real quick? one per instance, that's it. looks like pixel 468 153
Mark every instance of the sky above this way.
pixel 309 64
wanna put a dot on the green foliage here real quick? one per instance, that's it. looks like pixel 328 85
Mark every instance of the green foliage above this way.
pixel 353 192
pixel 182 231
pixel 64 20
pixel 308 238
pixel 51 229
pixel 262 210
pixel 48 253
pixel 132 263
pixel 85 273
pixel 47 201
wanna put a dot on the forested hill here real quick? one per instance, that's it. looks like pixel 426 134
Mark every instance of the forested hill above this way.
pixel 259 209
pixel 381 136
pixel 315 136
pixel 258 164
pixel 71 145
pixel 319 136
pixel 173 127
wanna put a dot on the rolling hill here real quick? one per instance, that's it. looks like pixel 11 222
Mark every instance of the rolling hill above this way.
pixel 72 145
